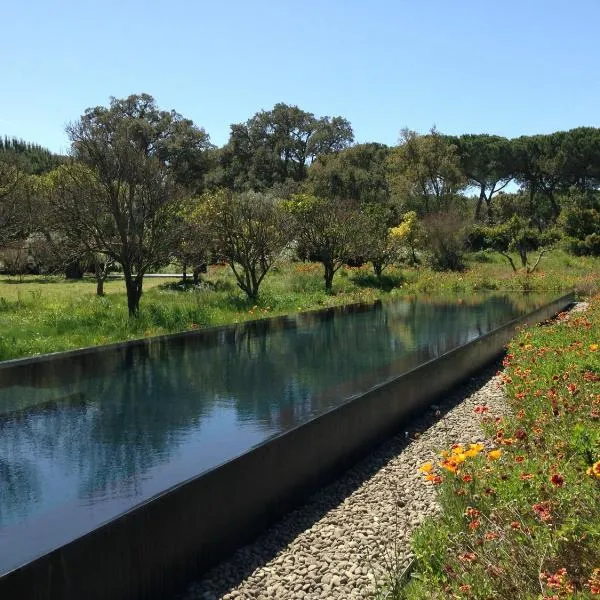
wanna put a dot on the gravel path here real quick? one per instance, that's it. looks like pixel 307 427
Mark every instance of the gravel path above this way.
pixel 351 533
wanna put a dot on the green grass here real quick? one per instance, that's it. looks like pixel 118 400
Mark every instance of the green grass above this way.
pixel 524 523
pixel 47 314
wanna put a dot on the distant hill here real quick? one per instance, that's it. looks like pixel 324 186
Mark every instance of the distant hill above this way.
pixel 33 158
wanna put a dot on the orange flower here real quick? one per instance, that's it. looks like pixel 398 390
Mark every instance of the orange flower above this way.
pixel 467 557
pixel 593 347
pixel 450 465
pixel 526 476
pixel 594 582
pixel 494 454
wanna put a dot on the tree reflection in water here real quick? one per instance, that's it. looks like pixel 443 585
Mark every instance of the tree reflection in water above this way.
pixel 190 405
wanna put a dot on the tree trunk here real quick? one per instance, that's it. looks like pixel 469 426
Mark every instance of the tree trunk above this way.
pixel 101 272
pixel 523 256
pixel 415 260
pixel 133 284
pixel 378 268
pixel 490 211
pixel 328 276
pixel 479 204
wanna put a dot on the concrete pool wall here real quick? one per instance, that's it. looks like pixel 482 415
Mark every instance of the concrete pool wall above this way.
pixel 159 545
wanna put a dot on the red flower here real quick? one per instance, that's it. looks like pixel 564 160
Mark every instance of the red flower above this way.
pixel 542 510
pixel 467 478
pixel 474 524
pixel 557 479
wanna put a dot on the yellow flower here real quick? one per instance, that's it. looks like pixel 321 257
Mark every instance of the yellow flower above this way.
pixel 594 470
pixel 593 347
pixel 459 458
pixel 457 450
pixel 426 468
pixel 494 454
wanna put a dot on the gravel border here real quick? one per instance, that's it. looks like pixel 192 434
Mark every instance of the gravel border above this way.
pixel 355 533
pixel 350 534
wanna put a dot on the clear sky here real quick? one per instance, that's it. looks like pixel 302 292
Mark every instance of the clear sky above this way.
pixel 510 67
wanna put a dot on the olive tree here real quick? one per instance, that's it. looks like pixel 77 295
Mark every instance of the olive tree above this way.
pixel 327 230
pixel 249 230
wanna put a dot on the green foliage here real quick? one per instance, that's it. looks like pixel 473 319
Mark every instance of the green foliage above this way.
pixel 328 231
pixel 249 230
pixel 32 159
pixel 357 174
pixel 276 146
pixel 424 173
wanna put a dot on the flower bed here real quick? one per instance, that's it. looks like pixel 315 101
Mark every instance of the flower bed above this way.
pixel 521 516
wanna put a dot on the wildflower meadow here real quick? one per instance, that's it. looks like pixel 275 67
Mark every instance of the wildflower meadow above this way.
pixel 520 515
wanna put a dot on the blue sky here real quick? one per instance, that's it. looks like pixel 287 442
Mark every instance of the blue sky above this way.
pixel 510 67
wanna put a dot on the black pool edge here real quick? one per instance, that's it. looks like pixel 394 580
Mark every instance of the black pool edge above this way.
pixel 156 547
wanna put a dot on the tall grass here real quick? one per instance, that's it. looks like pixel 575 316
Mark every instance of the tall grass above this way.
pixel 47 314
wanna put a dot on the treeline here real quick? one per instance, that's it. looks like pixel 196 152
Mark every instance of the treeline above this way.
pixel 144 186
pixel 32 159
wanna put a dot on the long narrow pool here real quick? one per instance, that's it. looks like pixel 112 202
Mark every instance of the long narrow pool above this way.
pixel 76 450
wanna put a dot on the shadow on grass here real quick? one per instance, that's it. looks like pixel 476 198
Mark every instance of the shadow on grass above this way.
pixel 44 279
pixel 385 282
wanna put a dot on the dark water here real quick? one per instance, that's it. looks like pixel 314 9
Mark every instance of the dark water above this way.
pixel 77 451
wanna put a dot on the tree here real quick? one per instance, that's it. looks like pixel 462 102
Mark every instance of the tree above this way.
pixel 327 230
pixel 580 221
pixel 488 163
pixel 381 247
pixel 517 235
pixel 278 145
pixel 249 230
pixel 408 234
pixel 445 235
pixel 424 171
pixel 32 159
pixel 14 196
pixel 541 170
pixel 357 173
pixel 128 193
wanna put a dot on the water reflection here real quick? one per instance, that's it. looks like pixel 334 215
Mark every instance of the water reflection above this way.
pixel 88 445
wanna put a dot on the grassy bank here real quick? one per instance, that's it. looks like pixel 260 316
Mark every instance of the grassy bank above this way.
pixel 522 520
pixel 46 314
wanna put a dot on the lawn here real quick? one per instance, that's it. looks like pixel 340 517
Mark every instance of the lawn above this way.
pixel 47 314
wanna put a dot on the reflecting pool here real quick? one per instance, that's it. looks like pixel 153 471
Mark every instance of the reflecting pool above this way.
pixel 79 449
